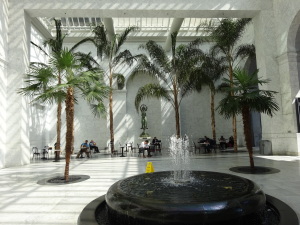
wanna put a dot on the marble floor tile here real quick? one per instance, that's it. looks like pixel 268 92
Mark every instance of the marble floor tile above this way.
pixel 23 201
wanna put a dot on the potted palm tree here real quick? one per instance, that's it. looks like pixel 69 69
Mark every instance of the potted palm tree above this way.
pixel 110 48
pixel 78 75
pixel 246 97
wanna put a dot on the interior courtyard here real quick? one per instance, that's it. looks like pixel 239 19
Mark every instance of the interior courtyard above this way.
pixel 274 30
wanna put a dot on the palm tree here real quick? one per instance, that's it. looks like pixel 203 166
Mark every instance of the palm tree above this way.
pixel 56 46
pixel 77 75
pixel 226 37
pixel 175 72
pixel 210 71
pixel 246 97
pixel 110 49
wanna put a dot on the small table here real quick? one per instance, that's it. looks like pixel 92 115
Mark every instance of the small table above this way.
pixel 122 155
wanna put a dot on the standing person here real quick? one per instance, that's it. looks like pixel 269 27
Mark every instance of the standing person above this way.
pixel 94 146
pixel 231 141
pixel 84 148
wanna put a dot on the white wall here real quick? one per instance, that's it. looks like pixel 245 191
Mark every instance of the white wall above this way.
pixel 3 80
pixel 195 113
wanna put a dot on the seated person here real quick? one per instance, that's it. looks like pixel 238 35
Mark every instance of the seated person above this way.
pixel 145 146
pixel 94 146
pixel 222 141
pixel 156 142
pixel 84 148
pixel 202 140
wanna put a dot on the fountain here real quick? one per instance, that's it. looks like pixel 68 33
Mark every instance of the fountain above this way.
pixel 179 153
pixel 187 197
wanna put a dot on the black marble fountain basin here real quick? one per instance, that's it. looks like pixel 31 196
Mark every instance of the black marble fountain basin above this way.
pixel 209 198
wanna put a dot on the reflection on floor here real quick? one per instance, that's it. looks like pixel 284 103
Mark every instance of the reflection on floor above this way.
pixel 23 201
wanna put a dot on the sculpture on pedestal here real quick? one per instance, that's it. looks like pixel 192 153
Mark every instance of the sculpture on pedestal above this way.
pixel 144 124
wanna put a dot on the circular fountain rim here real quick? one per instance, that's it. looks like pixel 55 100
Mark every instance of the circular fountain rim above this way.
pixel 287 214
pixel 210 197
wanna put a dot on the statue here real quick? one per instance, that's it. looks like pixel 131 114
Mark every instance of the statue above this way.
pixel 143 109
pixel 144 135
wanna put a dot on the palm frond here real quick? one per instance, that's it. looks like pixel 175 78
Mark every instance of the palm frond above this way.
pixel 245 93
pixel 151 91
pixel 157 55
pixel 121 38
pixel 243 51
pixel 145 66
pixel 98 110
pixel 74 47
pixel 124 57
pixel 39 47
pixel 229 31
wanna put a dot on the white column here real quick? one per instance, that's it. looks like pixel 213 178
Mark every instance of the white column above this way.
pixel 175 27
pixel 281 128
pixel 109 25
pixel 17 134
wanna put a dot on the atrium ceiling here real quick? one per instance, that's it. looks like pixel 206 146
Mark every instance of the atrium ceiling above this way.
pixel 156 28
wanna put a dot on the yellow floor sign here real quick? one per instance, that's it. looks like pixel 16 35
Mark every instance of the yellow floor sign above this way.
pixel 149 168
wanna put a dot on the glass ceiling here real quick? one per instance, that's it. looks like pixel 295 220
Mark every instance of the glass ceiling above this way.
pixel 85 24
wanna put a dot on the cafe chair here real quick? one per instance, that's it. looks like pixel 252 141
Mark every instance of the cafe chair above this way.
pixel 140 150
pixel 158 148
pixel 36 153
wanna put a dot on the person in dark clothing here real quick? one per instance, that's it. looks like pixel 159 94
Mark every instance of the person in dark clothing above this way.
pixel 94 146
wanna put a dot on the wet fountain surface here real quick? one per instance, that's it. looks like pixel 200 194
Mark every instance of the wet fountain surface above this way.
pixel 203 187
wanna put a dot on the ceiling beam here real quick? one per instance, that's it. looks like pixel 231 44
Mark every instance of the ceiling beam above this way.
pixel 109 25
pixel 175 27
pixel 41 28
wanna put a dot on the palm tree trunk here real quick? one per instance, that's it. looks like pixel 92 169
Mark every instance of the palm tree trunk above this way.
pixel 212 114
pixel 70 129
pixel 247 133
pixel 177 121
pixel 58 126
pixel 234 130
pixel 234 134
pixel 111 115
pixel 176 105
pixel 58 122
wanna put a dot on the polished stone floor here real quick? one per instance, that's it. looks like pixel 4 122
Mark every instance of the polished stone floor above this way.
pixel 23 201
